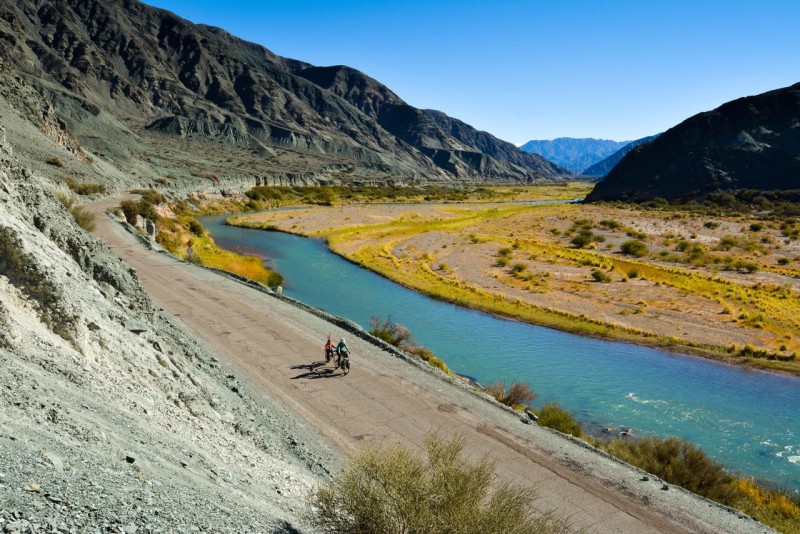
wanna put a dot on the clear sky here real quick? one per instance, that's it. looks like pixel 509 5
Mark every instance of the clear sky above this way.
pixel 536 69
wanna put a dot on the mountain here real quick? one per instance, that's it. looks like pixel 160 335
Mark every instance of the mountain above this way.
pixel 152 95
pixel 602 168
pixel 749 143
pixel 573 154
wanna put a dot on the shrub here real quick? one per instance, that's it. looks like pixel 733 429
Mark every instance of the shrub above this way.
pixel 84 188
pixel 392 333
pixel 745 266
pixel 517 268
pixel 711 224
pixel 83 217
pixel 634 247
pixel 727 242
pixel 554 416
pixel 275 279
pixel 611 225
pixel 678 462
pixel 55 161
pixel 783 261
pixel 265 193
pixel 633 273
pixel 390 490
pixel 196 228
pixel 517 394
pixel 505 251
pixel 756 227
pixel 600 276
pixel 630 232
pixel 583 239
pixel 428 357
pixel 130 208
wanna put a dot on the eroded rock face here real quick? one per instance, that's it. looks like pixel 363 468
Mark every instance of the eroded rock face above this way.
pixel 145 66
pixel 749 143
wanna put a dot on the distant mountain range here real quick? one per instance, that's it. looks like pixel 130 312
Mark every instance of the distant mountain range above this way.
pixel 575 154
pixel 151 92
pixel 749 143
pixel 602 168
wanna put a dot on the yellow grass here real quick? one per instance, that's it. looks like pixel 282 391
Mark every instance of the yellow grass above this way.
pixel 175 237
pixel 771 507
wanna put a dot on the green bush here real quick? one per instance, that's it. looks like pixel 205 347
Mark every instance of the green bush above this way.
pixel 611 225
pixel 83 217
pixel 196 228
pixel 554 416
pixel 756 227
pixel 518 268
pixel 634 247
pixel 582 239
pixel 389 490
pixel 630 232
pixel 678 462
pixel 633 273
pixel 600 276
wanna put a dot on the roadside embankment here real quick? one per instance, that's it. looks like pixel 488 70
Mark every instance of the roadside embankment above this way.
pixel 113 417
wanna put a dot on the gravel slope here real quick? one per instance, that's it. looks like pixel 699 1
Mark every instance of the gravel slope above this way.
pixel 112 418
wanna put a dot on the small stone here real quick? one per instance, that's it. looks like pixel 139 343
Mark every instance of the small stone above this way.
pixel 645 479
pixel 130 459
pixel 53 499
pixel 136 327
pixel 130 529
pixel 33 487
pixel 664 487
pixel 57 462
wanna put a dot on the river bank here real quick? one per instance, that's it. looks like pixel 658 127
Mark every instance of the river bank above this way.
pixel 508 260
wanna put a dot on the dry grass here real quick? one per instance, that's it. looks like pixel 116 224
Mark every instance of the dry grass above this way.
pixel 516 395
pixel 82 217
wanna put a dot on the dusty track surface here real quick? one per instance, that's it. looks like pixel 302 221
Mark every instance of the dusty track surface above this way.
pixel 385 398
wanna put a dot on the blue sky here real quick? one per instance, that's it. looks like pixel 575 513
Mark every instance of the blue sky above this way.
pixel 536 69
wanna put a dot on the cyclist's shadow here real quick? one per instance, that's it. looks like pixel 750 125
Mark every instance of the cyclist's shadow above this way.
pixel 316 370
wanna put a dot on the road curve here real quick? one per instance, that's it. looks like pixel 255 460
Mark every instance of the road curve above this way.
pixel 385 398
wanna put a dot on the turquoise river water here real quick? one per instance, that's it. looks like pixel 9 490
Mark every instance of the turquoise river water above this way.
pixel 748 420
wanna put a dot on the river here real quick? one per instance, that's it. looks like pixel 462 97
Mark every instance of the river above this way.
pixel 748 420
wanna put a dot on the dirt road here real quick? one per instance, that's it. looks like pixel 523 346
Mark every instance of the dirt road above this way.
pixel 385 398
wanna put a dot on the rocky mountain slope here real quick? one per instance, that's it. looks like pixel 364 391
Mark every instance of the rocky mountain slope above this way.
pixel 749 143
pixel 148 91
pixel 602 168
pixel 111 417
pixel 575 154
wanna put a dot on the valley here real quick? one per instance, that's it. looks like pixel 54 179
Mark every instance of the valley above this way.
pixel 722 286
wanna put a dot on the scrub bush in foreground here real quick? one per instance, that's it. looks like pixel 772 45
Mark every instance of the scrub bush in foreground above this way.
pixel 391 490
